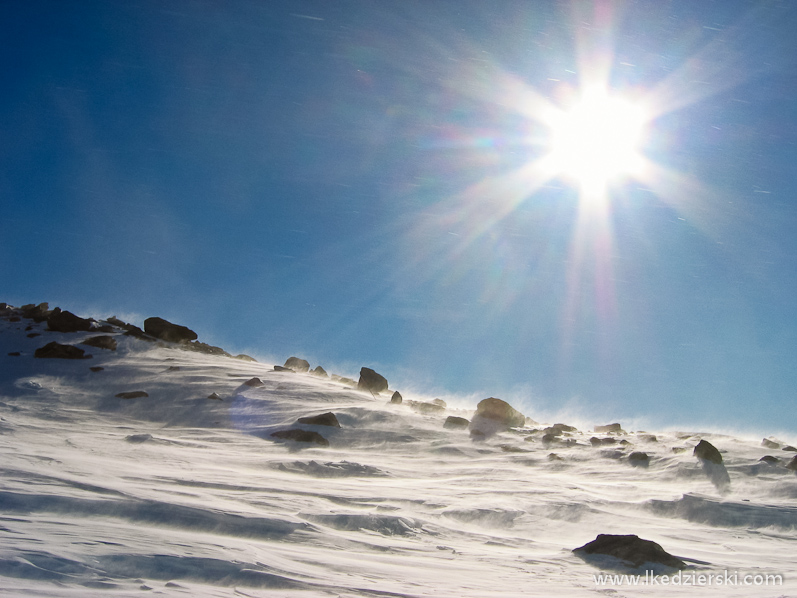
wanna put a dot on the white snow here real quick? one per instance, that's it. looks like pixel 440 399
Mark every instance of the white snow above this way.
pixel 179 495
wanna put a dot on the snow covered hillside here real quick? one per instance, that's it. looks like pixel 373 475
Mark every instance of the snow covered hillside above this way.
pixel 184 492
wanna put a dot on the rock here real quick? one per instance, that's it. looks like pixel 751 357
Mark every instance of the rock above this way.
pixel 104 328
pixel 203 348
pixel 173 368
pixel 792 464
pixel 631 549
pixel 301 436
pixel 37 313
pixel 455 423
pixel 296 364
pixel 548 439
pixel 96 368
pixel 214 397
pixel 439 403
pixel 706 450
pixel 101 342
pixel 244 357
pixel 477 435
pixel 166 331
pixel 639 458
pixel 114 321
pixel 554 457
pixel 396 398
pixel 319 371
pixel 138 438
pixel 342 380
pixel 790 449
pixel 609 428
pixel 624 442
pixel 254 382
pixel 648 438
pixel 767 443
pixel 14 354
pixel 66 321
pixel 500 411
pixel 33 334
pixel 325 419
pixel 371 382
pixel 136 394
pixel 59 351
pixel 280 368
pixel 136 332
pixel 769 459
pixel 602 441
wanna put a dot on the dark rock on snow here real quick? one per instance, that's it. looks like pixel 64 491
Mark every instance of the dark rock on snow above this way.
pixel 790 449
pixel 37 313
pixel 136 394
pixel 372 382
pixel 609 428
pixel 396 398
pixel 254 382
pixel 455 423
pixel 204 348
pixel 500 411
pixel 325 419
pixel 244 357
pixel 101 342
pixel 214 397
pixel 166 331
pixel 281 368
pixel 639 458
pixel 769 459
pixel 706 450
pixel 33 334
pixel 296 364
pixel 767 443
pixel 631 549
pixel 96 368
pixel 319 371
pixel 602 441
pixel 14 354
pixel 301 436
pixel 792 464
pixel 66 321
pixel 59 351
pixel 426 408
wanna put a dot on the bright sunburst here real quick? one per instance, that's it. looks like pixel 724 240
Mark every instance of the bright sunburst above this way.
pixel 596 140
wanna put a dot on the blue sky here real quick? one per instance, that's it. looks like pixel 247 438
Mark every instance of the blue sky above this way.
pixel 335 180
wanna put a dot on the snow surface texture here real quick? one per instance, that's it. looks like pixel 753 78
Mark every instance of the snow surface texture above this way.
pixel 177 494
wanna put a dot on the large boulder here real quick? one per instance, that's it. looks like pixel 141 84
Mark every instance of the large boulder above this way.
pixel 770 444
pixel 396 398
pixel 319 371
pixel 631 549
pixel 500 411
pixel 372 382
pixel 66 321
pixel 166 331
pixel 297 364
pixel 55 350
pixel 455 423
pixel 325 419
pixel 608 429
pixel 301 436
pixel 792 465
pixel 37 313
pixel 707 451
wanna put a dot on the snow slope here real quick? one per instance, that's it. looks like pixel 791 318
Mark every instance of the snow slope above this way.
pixel 180 495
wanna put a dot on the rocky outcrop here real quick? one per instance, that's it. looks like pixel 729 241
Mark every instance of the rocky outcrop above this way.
pixel 37 313
pixel 319 371
pixel 372 382
pixel 280 368
pixel 166 331
pixel 301 436
pixel 244 357
pixel 456 423
pixel 396 399
pixel 792 465
pixel 639 458
pixel 594 441
pixel 426 408
pixel 136 394
pixel 769 459
pixel 254 382
pixel 325 419
pixel 608 429
pixel 66 321
pixel 767 443
pixel 630 549
pixel 55 350
pixel 494 415
pixel 296 364
pixel 204 348
pixel 101 342
pixel 706 450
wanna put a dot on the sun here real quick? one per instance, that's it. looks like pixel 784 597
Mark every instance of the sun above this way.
pixel 596 140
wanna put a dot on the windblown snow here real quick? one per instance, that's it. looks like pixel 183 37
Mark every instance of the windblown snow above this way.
pixel 179 494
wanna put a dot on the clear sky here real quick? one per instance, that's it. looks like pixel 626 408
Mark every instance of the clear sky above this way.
pixel 358 183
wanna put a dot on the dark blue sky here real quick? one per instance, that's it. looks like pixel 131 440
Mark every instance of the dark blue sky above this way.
pixel 334 180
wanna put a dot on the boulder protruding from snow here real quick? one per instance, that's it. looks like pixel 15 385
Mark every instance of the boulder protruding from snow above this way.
pixel 770 444
pixel 456 423
pixel 166 331
pixel 501 411
pixel 325 419
pixel 631 549
pixel 396 398
pixel 66 321
pixel 297 364
pixel 56 350
pixel 639 458
pixel 254 382
pixel 301 436
pixel 706 450
pixel 372 382
pixel 792 464
pixel 319 371
pixel 608 429
pixel 136 394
